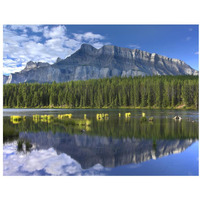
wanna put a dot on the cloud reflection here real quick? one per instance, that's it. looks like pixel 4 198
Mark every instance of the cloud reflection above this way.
pixel 43 162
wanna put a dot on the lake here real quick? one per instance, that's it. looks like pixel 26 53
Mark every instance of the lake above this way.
pixel 110 146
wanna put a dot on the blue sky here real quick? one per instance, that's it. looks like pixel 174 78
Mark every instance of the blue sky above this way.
pixel 45 43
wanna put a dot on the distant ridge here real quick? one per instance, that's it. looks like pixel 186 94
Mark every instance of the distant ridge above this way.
pixel 108 61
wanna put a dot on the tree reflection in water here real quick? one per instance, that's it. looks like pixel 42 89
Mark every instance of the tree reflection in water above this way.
pixel 112 142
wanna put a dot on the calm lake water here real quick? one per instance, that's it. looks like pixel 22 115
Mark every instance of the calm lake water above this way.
pixel 113 146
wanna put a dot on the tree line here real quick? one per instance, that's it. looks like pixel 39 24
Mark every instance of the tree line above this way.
pixel 147 91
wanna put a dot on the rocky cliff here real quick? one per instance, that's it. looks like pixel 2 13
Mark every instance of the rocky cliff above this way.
pixel 108 61
pixel 5 78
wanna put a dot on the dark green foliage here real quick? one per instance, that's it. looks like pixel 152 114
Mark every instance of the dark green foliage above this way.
pixel 148 91
pixel 9 133
pixel 20 145
pixel 22 142
pixel 28 145
pixel 143 119
pixel 154 144
pixel 151 118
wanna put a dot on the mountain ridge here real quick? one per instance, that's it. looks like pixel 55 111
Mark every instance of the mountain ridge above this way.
pixel 108 61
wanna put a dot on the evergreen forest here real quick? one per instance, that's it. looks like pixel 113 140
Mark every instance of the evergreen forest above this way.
pixel 136 92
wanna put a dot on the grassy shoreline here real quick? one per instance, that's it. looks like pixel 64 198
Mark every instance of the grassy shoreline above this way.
pixel 120 107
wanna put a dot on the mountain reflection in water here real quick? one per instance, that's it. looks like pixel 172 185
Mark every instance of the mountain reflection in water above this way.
pixel 109 152
pixel 91 150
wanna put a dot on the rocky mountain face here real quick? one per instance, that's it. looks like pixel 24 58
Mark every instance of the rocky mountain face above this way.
pixel 5 78
pixel 108 61
pixel 32 65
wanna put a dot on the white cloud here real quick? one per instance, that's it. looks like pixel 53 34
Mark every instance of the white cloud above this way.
pixel 134 46
pixel 196 53
pixel 58 31
pixel 34 28
pixel 91 38
pixel 10 66
pixel 98 45
pixel 55 43
pixel 18 27
pixel 23 43
pixel 72 43
pixel 88 36
pixel 12 38
pixel 9 70
pixel 35 38
pixel 43 162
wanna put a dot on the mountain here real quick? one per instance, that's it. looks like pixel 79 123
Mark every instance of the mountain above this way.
pixel 5 78
pixel 108 61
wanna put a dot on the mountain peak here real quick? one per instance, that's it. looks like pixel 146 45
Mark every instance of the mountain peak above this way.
pixel 87 47
pixel 30 65
pixel 58 59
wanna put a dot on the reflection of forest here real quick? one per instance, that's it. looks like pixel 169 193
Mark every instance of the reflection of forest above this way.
pixel 114 127
pixel 111 142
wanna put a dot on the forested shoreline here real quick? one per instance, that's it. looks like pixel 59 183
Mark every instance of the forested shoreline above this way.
pixel 136 92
